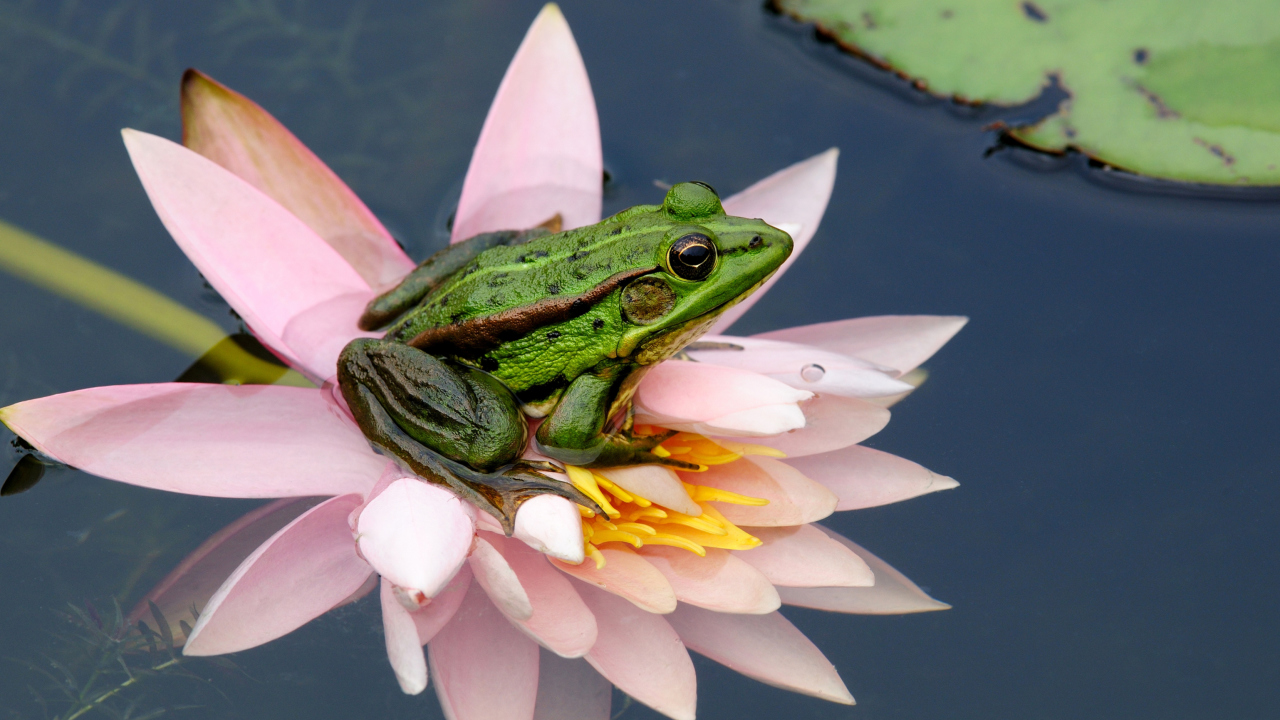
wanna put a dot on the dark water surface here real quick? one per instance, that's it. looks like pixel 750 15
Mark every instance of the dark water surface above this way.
pixel 1110 411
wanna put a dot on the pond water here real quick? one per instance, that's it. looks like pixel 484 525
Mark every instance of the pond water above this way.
pixel 1108 411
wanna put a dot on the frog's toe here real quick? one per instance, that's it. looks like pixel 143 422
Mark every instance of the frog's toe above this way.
pixel 502 493
pixel 649 442
pixel 649 458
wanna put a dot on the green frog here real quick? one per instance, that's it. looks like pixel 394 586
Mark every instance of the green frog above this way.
pixel 512 328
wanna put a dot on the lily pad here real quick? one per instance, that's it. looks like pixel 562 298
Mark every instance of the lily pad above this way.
pixel 1178 89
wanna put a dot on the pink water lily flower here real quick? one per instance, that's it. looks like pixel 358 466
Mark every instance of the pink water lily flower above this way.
pixel 537 625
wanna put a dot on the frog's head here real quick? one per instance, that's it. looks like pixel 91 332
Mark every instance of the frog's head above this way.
pixel 707 261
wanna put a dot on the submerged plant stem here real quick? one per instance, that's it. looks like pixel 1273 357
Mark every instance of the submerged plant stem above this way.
pixel 118 689
pixel 133 304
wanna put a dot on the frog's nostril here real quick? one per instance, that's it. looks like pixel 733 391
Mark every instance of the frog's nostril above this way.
pixel 756 242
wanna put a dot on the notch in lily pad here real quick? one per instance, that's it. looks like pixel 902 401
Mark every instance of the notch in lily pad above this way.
pixel 692 200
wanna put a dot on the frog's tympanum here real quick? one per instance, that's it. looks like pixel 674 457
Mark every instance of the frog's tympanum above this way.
pixel 509 326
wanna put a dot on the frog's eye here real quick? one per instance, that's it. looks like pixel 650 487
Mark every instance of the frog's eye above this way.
pixel 692 257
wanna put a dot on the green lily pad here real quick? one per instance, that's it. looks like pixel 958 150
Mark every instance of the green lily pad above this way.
pixel 1179 89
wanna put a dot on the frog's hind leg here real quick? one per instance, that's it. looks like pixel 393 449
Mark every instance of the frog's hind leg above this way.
pixel 452 425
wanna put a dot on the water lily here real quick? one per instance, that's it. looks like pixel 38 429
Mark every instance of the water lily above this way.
pixel 540 623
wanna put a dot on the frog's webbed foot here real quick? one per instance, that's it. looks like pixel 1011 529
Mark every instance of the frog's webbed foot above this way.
pixel 502 492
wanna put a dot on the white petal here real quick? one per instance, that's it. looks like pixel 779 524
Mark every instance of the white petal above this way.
pixel 416 535
pixel 551 524
pixel 654 483
pixel 403 647
pixel 763 421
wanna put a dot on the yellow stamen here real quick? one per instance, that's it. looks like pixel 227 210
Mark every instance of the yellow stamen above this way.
pixel 702 523
pixel 613 489
pixel 676 541
pixel 637 521
pixel 643 513
pixel 702 493
pixel 731 537
pixel 594 553
pixel 637 529
pixel 585 481
pixel 604 536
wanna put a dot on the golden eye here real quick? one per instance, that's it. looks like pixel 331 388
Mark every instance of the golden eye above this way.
pixel 692 257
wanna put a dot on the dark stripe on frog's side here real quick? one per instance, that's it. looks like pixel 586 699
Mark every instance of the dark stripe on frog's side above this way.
pixel 476 336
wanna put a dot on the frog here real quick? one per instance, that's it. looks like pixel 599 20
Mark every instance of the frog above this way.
pixel 537 332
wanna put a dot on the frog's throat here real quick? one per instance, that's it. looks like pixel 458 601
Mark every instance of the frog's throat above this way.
pixel 473 337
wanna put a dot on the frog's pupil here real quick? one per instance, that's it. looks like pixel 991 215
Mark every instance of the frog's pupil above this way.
pixel 694 255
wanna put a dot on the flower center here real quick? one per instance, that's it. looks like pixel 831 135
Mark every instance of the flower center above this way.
pixel 638 521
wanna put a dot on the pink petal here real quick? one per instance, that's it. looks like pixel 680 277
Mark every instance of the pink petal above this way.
pixel 803 556
pixel 319 333
pixel 552 525
pixel 216 440
pixel 236 133
pixel 863 477
pixel 804 367
pixel 640 653
pixel 560 621
pixel 654 483
pixel 499 581
pixel 794 195
pixel 484 668
pixel 403 648
pixel 767 648
pixel 901 342
pixel 198 576
pixel 416 535
pixel 793 498
pixel 571 690
pixel 302 572
pixel 831 422
pixel 539 150
pixel 626 575
pixel 262 259
pixel 763 421
pixel 694 392
pixel 892 594
pixel 720 581
pixel 430 619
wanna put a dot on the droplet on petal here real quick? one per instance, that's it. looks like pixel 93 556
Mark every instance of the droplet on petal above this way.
pixel 812 372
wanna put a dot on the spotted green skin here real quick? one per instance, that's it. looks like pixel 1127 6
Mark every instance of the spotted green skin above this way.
pixel 566 324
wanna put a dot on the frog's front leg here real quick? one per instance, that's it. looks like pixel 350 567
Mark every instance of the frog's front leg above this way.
pixel 451 424
pixel 574 432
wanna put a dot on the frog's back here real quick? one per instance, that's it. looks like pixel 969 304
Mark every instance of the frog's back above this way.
pixel 539 314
